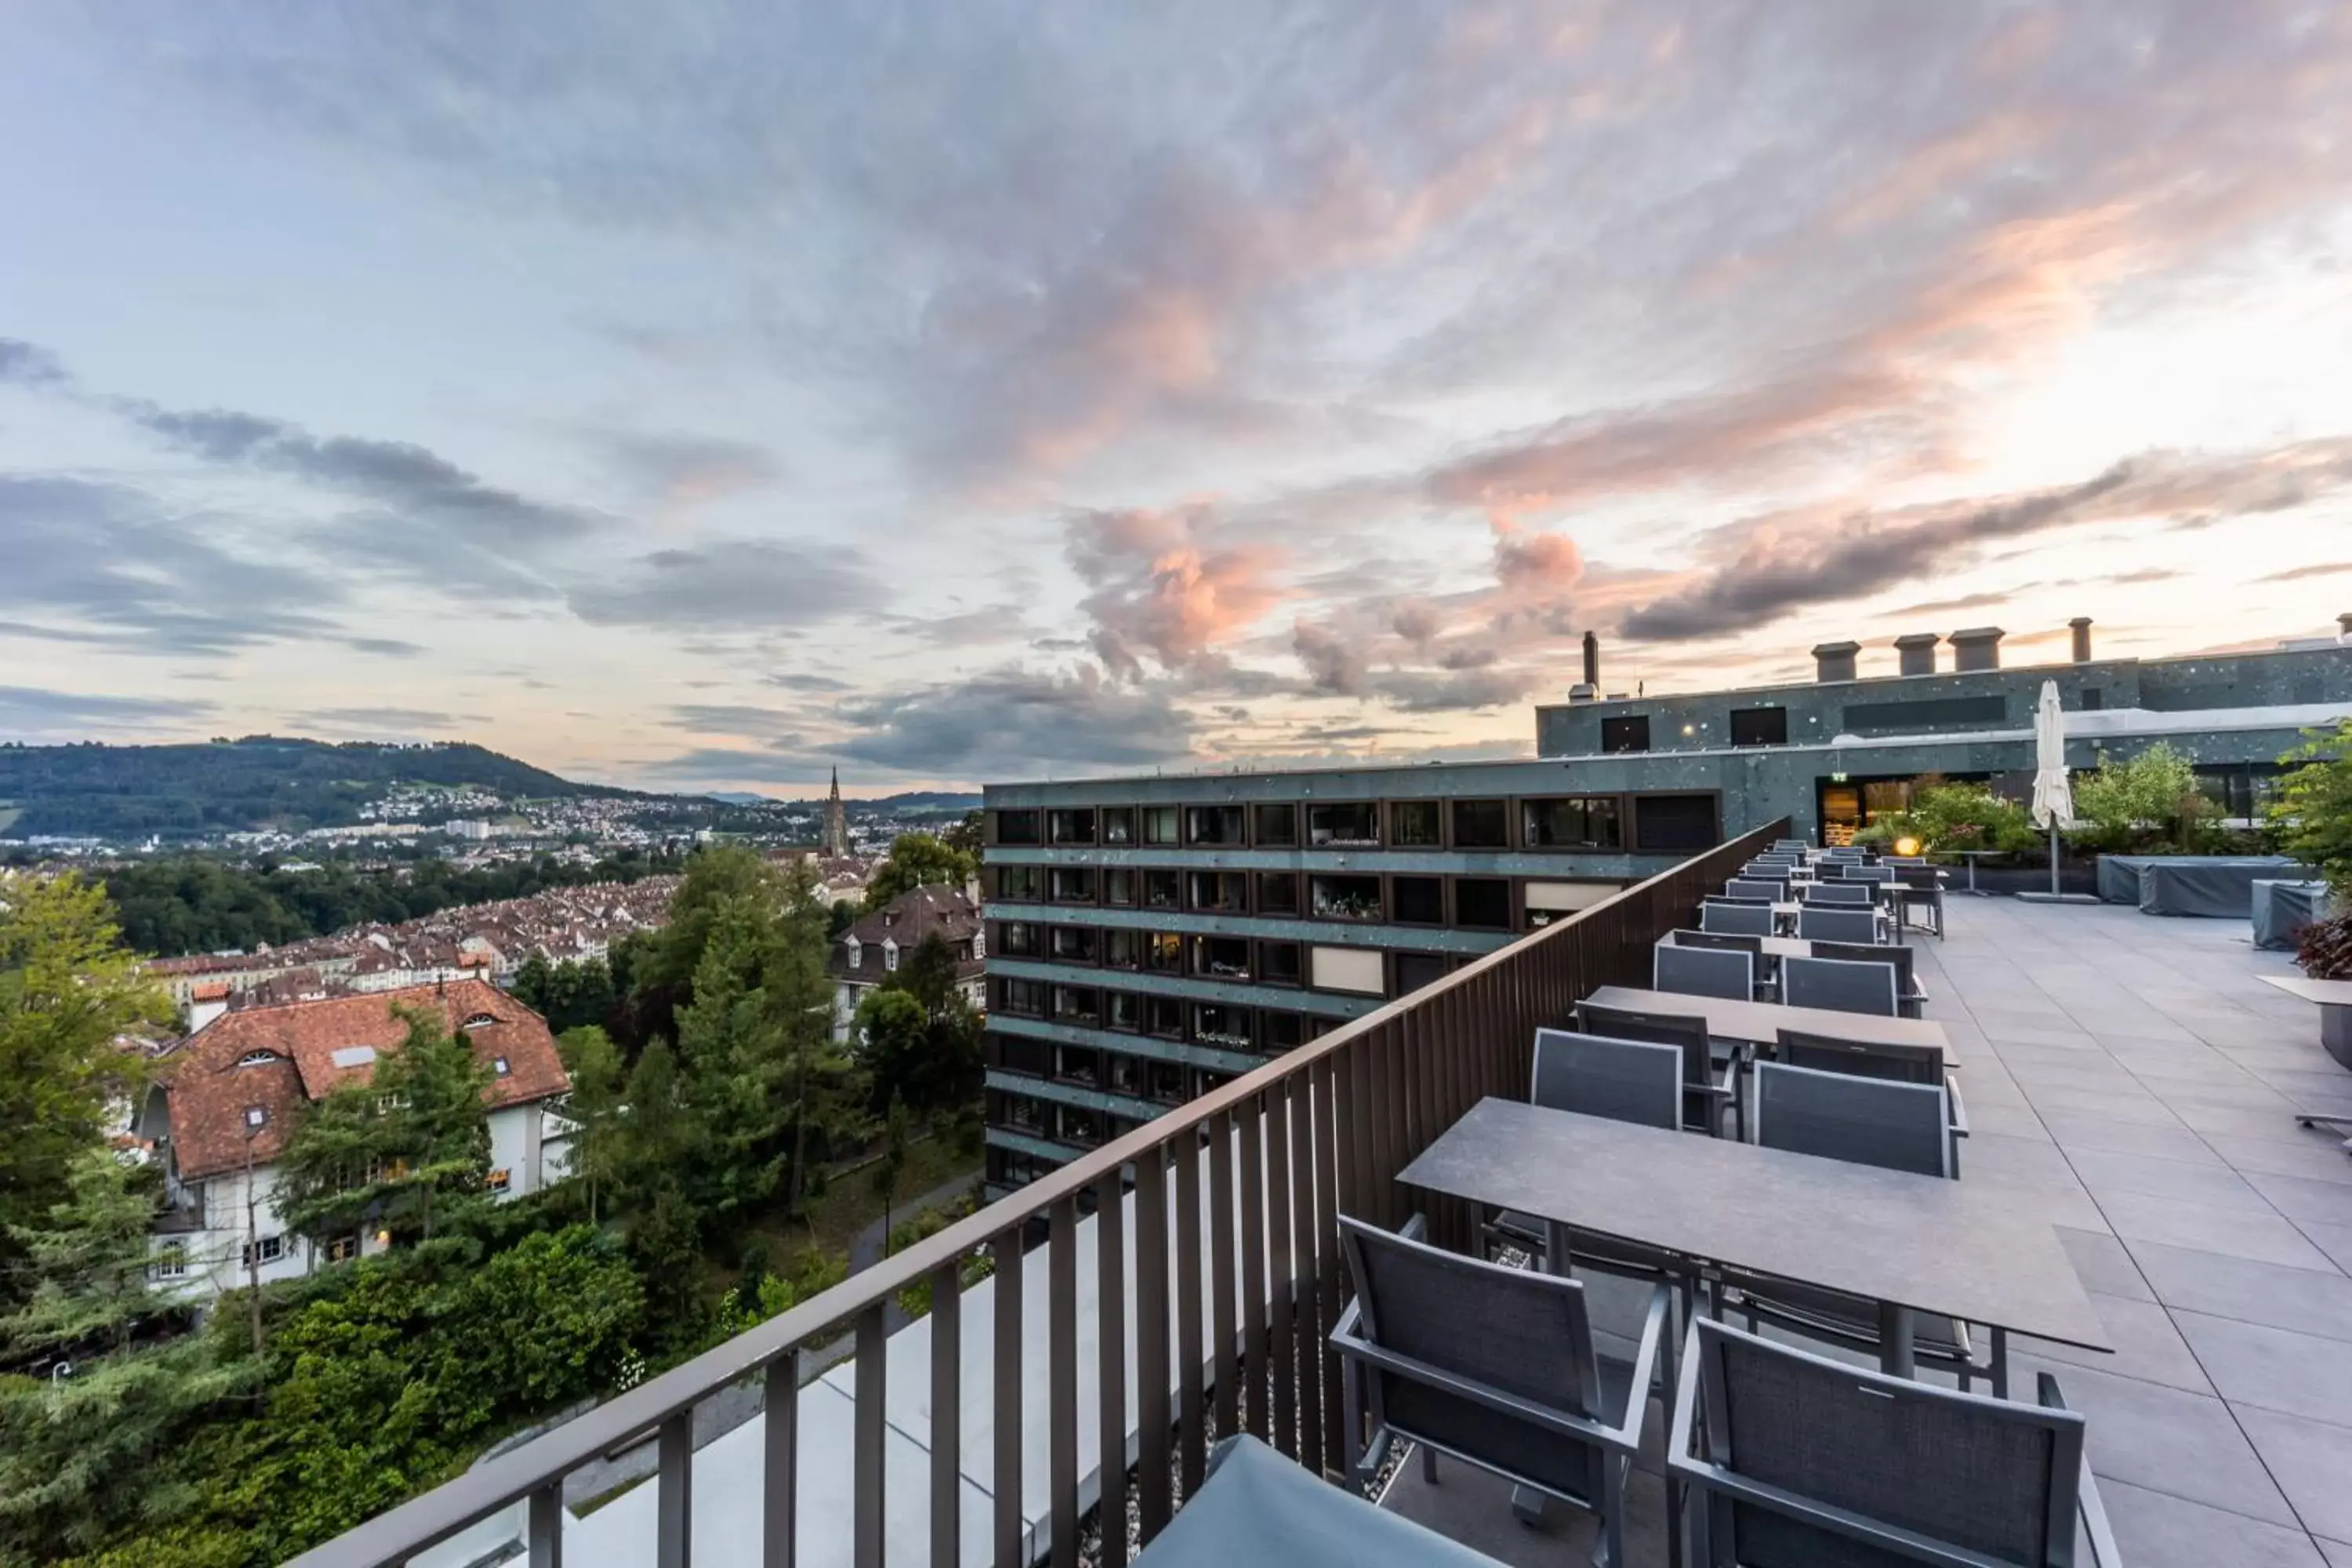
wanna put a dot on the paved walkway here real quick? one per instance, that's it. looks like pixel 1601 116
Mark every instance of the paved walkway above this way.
pixel 2135 1076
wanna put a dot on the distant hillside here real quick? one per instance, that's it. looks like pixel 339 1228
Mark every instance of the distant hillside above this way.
pixel 228 786
pixel 918 800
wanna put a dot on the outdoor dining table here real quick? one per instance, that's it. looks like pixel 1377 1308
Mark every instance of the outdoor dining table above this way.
pixel 1760 1023
pixel 1912 1244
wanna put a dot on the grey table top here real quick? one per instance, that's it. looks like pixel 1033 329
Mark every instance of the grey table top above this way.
pixel 1982 1255
pixel 1760 1023
pixel 2326 993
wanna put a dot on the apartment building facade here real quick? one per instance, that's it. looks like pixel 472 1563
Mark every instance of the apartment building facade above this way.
pixel 1150 938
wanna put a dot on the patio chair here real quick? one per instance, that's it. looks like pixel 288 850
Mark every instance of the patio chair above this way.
pixel 1839 984
pixel 1871 1059
pixel 1795 1459
pixel 1624 1079
pixel 1732 941
pixel 1698 971
pixel 1253 1505
pixel 1723 917
pixel 1870 873
pixel 1796 847
pixel 1845 895
pixel 1918 888
pixel 1822 923
pixel 1754 887
pixel 1709 1067
pixel 1910 1002
pixel 1493 1365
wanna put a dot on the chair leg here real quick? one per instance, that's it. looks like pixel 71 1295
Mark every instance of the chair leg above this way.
pixel 1428 1463
pixel 1612 1502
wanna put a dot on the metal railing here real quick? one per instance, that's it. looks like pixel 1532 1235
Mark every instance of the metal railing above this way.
pixel 1318 1132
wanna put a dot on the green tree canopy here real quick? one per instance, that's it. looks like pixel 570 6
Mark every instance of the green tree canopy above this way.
pixel 918 860
pixel 2150 800
pixel 920 1036
pixel 2313 808
pixel 594 1106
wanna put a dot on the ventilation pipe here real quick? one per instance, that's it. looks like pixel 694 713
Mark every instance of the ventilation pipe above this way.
pixel 2082 626
pixel 1835 660
pixel 1978 648
pixel 2344 622
pixel 1592 660
pixel 1917 652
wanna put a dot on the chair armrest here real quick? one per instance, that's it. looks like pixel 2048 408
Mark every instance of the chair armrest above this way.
pixel 1415 1229
pixel 1646 1364
pixel 1562 1421
pixel 2103 1553
pixel 1959 1106
pixel 1350 1316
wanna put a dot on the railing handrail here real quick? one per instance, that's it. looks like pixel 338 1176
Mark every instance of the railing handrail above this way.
pixel 630 1417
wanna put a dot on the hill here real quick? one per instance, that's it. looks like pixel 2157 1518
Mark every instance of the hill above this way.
pixel 230 786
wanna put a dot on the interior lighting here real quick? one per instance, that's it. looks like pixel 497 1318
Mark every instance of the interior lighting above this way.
pixel 1907 847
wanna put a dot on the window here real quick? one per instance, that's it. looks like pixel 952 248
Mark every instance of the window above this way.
pixel 1481 824
pixel 257 1116
pixel 1123 1011
pixel 500 1180
pixel 1220 825
pixel 1024 1114
pixel 1118 825
pixel 268 1249
pixel 1074 824
pixel 1277 892
pixel 1573 822
pixel 1221 892
pixel 1221 957
pixel 258 1058
pixel 1163 952
pixel 1280 1031
pixel 1079 1125
pixel 1278 825
pixel 1927 713
pixel 1016 827
pixel 1160 889
pixel 1673 821
pixel 1076 944
pixel 480 1021
pixel 1073 885
pixel 1024 998
pixel 1281 963
pixel 1413 825
pixel 1760 726
pixel 1017 939
pixel 1163 1015
pixel 1415 970
pixel 2093 698
pixel 1334 898
pixel 1160 824
pixel 1073 1064
pixel 499 1068
pixel 1017 884
pixel 1630 733
pixel 342 1249
pixel 1357 969
pixel 1344 823
pixel 1214 1024
pixel 890 954
pixel 1124 1073
pixel 1123 949
pixel 1419 901
pixel 1482 903
pixel 170 1262
pixel 1118 888
pixel 1077 1005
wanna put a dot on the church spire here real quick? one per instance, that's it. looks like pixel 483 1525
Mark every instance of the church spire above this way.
pixel 837 821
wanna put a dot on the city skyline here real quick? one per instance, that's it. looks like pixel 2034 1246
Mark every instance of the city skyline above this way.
pixel 708 400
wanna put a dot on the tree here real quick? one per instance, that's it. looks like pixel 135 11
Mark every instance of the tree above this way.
pixel 2313 808
pixel 594 1064
pixel 948 1071
pixel 68 988
pixel 894 1043
pixel 918 860
pixel 889 1169
pixel 2150 800
pixel 567 995
pixel 735 1059
pixel 965 837
pixel 827 1089
pixel 81 1440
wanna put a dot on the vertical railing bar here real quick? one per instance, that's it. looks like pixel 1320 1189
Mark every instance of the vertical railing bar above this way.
pixel 1152 1340
pixel 546 1526
pixel 1062 1380
pixel 1280 1267
pixel 780 1481
pixel 1221 1272
pixel 1394 1099
pixel 1191 1445
pixel 1111 1331
pixel 1307 1174
pixel 947 1415
pixel 868 1436
pixel 673 1504
pixel 1010 1549
pixel 1250 1129
pixel 1381 1147
pixel 1321 1419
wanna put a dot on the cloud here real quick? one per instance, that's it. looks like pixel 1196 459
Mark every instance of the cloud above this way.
pixel 773 725
pixel 726 764
pixel 1012 723
pixel 33 712
pixel 800 681
pixel 28 364
pixel 2302 573
pixel 674 470
pixel 397 722
pixel 1947 607
pixel 731 585
pixel 384 648
pixel 1163 584
pixel 1773 566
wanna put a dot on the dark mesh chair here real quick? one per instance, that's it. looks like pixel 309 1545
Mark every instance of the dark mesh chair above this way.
pixel 1710 1068
pixel 1910 1002
pixel 1870 873
pixel 1894 1064
pixel 1820 922
pixel 1894 1125
pixel 1751 886
pixel 1796 1459
pixel 1730 942
pixel 1917 888
pixel 1727 918
pixel 1703 971
pixel 1624 1079
pixel 1494 1365
pixel 1844 895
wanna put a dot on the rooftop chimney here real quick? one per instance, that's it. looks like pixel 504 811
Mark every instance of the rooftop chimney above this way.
pixel 1978 648
pixel 2346 622
pixel 1835 660
pixel 2082 625
pixel 1591 660
pixel 1917 652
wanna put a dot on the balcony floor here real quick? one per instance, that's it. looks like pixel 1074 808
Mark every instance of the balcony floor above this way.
pixel 2135 1075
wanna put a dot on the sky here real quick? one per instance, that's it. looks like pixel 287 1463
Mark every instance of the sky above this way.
pixel 705 396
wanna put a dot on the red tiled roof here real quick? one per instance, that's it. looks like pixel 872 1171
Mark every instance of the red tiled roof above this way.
pixel 209 1093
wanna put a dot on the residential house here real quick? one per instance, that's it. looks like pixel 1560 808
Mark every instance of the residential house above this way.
pixel 870 950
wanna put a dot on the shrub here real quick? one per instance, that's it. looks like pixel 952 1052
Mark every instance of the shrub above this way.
pixel 1946 816
pixel 2314 809
pixel 2149 802
pixel 2326 952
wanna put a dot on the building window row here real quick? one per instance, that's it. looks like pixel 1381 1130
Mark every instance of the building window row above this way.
pixel 1590 823
pixel 1362 898
pixel 1090 1002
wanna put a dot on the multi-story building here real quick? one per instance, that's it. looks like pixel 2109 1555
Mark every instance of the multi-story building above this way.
pixel 1148 938
pixel 868 950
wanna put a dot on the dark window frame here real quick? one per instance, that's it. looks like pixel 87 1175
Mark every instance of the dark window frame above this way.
pixel 1472 891
pixel 1766 726
pixel 1625 733
pixel 1369 817
pixel 1287 836
pixel 1501 805
pixel 1431 916
pixel 1293 908
pixel 1033 833
pixel 1583 806
pixel 1400 811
